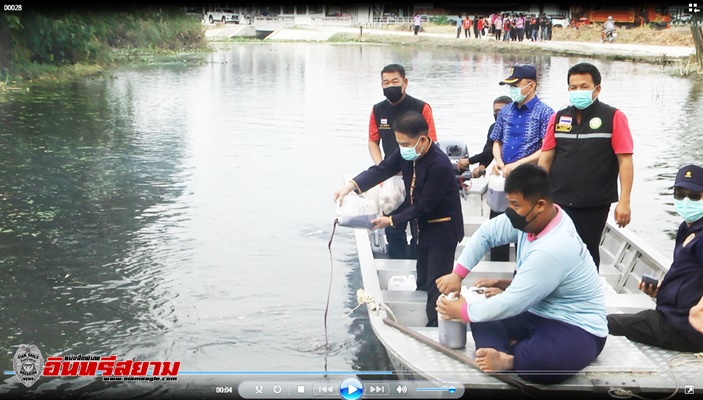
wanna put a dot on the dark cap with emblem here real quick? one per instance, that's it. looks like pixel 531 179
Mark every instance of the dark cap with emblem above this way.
pixel 518 72
pixel 690 177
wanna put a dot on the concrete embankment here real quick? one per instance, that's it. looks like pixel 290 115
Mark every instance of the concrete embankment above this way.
pixel 623 51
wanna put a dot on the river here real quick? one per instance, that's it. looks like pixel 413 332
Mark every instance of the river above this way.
pixel 182 211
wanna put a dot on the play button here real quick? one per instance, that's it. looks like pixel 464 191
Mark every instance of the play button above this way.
pixel 351 389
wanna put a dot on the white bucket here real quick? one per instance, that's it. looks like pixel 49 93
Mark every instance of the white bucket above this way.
pixel 402 282
pixel 495 195
pixel 452 332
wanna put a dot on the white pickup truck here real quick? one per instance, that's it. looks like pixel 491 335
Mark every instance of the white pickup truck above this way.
pixel 223 15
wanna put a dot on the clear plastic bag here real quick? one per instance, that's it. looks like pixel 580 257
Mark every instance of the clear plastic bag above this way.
pixel 357 212
pixel 392 194
pixel 496 193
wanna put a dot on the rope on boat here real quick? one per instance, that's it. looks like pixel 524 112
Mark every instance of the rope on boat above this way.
pixel 529 390
pixel 366 298
pixel 620 393
pixel 329 289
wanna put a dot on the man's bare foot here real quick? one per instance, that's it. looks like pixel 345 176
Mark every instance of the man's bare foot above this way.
pixel 492 360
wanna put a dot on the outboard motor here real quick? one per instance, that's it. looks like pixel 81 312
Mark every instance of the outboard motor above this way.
pixel 456 150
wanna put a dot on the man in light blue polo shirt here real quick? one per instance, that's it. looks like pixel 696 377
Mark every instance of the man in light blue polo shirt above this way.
pixel 550 321
pixel 521 125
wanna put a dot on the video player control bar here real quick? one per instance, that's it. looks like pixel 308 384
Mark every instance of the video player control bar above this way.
pixel 349 389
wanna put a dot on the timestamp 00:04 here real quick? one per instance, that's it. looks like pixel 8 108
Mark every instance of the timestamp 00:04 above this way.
pixel 12 7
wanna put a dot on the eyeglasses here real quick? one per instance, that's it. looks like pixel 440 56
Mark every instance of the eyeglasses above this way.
pixel 680 194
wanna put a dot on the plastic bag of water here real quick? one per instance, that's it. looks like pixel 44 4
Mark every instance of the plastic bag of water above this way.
pixel 357 212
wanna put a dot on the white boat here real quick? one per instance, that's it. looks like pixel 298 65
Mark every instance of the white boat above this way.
pixel 623 368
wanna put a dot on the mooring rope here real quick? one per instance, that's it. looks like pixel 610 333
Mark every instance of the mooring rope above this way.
pixel 620 393
pixel 366 298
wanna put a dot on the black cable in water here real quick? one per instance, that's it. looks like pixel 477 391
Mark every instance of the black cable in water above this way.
pixel 329 290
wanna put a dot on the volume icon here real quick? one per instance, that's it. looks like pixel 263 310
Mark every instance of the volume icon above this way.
pixel 401 389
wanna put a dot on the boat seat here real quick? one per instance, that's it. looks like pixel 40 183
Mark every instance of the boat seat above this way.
pixel 404 296
pixel 388 268
pixel 628 302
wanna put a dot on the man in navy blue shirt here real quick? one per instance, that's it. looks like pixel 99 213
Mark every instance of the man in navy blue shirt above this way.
pixel 672 325
pixel 521 125
pixel 431 197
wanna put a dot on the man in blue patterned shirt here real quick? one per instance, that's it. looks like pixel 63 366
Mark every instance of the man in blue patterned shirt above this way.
pixel 521 125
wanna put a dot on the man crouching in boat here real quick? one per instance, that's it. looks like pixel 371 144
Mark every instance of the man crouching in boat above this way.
pixel 550 322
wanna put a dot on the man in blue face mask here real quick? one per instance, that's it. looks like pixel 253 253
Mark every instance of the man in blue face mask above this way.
pixel 521 125
pixel 431 198
pixel 677 321
pixel 588 146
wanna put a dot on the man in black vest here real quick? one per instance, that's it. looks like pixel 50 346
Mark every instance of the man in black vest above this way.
pixel 382 135
pixel 587 147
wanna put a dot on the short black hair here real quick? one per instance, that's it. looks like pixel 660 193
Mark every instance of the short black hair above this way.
pixel 503 100
pixel 390 68
pixel 585 68
pixel 411 123
pixel 531 180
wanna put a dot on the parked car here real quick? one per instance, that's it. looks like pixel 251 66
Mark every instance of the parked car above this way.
pixel 223 15
pixel 194 12
pixel 559 20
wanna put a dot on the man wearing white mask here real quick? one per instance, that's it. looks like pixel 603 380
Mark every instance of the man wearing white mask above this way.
pixel 521 125
pixel 432 201
pixel 588 146
pixel 677 321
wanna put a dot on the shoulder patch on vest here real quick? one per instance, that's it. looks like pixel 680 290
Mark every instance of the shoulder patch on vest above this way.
pixel 595 123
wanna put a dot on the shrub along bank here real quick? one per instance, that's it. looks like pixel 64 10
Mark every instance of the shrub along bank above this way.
pixel 56 44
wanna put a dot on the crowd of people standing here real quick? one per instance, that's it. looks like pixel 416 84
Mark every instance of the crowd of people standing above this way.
pixel 506 27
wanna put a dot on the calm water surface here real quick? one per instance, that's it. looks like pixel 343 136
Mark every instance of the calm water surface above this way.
pixel 182 212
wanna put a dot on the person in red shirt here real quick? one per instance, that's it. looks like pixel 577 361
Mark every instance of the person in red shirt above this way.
pixel 587 147
pixel 467 26
pixel 382 136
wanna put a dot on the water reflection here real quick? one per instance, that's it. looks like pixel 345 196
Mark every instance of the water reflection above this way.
pixel 183 212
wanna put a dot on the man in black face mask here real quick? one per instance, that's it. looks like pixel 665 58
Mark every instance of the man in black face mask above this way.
pixel 382 135
pixel 551 315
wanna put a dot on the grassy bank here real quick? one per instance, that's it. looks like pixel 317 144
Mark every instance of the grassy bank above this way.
pixel 60 46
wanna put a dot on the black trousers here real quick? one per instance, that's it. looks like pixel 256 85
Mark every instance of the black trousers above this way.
pixel 589 223
pixel 651 327
pixel 398 247
pixel 432 264
pixel 500 253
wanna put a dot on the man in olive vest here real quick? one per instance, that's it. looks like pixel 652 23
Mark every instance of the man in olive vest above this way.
pixel 587 147
pixel 382 136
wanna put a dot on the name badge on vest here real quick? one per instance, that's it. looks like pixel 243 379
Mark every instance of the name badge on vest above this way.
pixel 384 124
pixel 564 124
